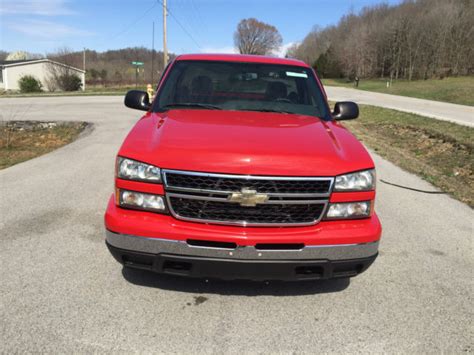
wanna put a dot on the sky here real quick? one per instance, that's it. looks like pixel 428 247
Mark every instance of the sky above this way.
pixel 194 26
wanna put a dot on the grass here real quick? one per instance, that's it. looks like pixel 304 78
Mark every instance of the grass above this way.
pixel 458 90
pixel 21 141
pixel 438 151
pixel 90 91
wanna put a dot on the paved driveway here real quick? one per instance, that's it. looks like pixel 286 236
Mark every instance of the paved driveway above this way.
pixel 61 291
pixel 440 110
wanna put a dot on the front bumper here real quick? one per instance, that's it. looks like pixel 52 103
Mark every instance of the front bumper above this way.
pixel 161 243
pixel 243 262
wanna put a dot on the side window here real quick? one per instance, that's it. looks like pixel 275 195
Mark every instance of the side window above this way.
pixel 1 75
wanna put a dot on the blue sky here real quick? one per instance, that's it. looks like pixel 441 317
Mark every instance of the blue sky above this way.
pixel 42 26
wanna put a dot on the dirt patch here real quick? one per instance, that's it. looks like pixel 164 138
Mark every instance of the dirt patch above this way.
pixel 24 140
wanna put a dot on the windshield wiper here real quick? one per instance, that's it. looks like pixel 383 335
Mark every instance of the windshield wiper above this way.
pixel 267 110
pixel 189 104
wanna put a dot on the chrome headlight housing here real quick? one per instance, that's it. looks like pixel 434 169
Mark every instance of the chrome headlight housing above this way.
pixel 358 181
pixel 134 170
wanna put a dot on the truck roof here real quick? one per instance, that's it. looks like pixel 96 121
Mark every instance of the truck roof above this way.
pixel 243 58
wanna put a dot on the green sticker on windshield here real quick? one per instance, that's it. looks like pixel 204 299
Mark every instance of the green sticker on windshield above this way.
pixel 298 75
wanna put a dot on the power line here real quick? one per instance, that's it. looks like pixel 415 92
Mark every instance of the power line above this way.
pixel 153 52
pixel 190 18
pixel 127 28
pixel 180 25
pixel 198 15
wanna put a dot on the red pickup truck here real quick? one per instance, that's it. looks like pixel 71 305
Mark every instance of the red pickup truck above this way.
pixel 239 170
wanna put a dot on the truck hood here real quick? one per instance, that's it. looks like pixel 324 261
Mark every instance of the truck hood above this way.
pixel 245 142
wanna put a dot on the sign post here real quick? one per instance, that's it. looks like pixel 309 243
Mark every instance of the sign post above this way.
pixel 137 65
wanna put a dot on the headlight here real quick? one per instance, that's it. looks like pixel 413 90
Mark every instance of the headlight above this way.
pixel 141 201
pixel 348 210
pixel 133 170
pixel 359 181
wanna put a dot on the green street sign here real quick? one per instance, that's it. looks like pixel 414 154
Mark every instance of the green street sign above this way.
pixel 137 63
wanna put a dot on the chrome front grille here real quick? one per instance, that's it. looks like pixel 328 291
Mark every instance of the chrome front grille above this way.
pixel 231 183
pixel 246 200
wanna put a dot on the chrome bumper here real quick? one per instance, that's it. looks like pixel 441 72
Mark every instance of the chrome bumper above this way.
pixel 177 247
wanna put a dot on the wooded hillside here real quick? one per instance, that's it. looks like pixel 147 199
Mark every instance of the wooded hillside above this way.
pixel 114 67
pixel 417 39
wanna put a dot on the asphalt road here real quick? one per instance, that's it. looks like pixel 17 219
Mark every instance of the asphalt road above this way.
pixel 61 291
pixel 460 114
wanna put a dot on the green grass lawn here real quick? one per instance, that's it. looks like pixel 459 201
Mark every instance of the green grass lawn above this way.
pixel 438 151
pixel 458 90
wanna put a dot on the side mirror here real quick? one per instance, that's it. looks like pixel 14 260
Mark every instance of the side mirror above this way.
pixel 138 100
pixel 345 110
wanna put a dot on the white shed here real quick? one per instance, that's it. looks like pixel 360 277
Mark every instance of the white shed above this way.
pixel 12 71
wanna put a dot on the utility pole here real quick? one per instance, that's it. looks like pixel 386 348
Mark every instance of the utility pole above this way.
pixel 84 68
pixel 165 47
pixel 153 54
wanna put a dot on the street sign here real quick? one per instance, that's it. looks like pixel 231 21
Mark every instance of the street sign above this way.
pixel 137 69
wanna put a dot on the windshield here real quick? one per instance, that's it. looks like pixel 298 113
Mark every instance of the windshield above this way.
pixel 241 86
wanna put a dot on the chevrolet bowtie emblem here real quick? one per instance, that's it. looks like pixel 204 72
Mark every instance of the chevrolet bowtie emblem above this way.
pixel 248 198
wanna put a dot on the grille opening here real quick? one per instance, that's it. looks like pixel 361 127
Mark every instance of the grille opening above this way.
pixel 310 270
pixel 211 244
pixel 176 266
pixel 231 212
pixel 287 246
pixel 140 261
pixel 223 195
pixel 296 198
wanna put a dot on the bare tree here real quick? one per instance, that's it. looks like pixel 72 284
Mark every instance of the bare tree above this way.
pixel 416 39
pixel 60 73
pixel 51 83
pixel 292 51
pixel 255 37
